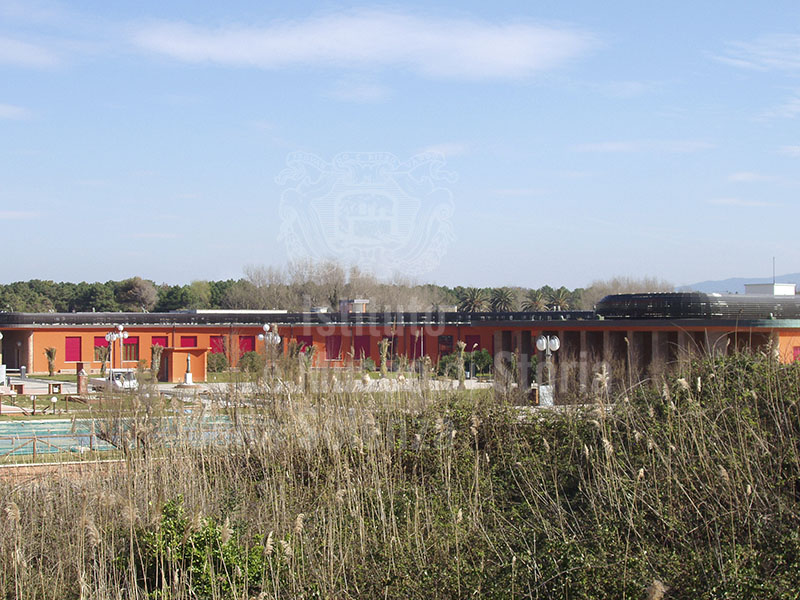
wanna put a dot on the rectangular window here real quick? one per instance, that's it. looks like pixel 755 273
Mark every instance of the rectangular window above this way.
pixel 445 345
pixel 473 343
pixel 361 347
pixel 100 341
pixel 130 348
pixel 188 341
pixel 333 347
pixel 796 351
pixel 159 340
pixel 304 341
pixel 72 349
pixel 217 344
pixel 247 343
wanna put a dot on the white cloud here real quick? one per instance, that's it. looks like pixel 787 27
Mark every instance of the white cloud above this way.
pixel 9 111
pixel 749 177
pixel 359 91
pixel 790 151
pixel 16 53
pixel 668 146
pixel 435 47
pixel 447 149
pixel 517 192
pixel 767 53
pixel 741 203
pixel 13 215
pixel 788 110
pixel 154 236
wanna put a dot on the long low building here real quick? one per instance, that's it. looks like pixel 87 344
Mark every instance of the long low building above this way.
pixel 634 330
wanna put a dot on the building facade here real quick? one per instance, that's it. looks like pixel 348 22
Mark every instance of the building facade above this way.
pixel 636 331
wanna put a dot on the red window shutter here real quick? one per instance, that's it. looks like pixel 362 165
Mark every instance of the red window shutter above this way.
pixel 361 347
pixel 304 341
pixel 333 347
pixel 247 343
pixel 471 340
pixel 159 340
pixel 796 351
pixel 72 349
pixel 131 348
pixel 188 341
pixel 217 344
pixel 100 341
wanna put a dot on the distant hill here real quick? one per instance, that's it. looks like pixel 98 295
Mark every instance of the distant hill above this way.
pixel 735 285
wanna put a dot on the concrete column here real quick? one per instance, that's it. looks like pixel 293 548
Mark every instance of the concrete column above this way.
pixel 685 343
pixel 583 362
pixel 633 353
pixel 524 379
pixel 716 342
pixel 657 351
pixel 498 349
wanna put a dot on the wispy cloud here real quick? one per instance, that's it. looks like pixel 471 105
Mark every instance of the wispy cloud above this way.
pixel 9 111
pixel 749 177
pixel 790 151
pixel 14 215
pixel 447 148
pixel 788 110
pixel 668 146
pixel 154 236
pixel 741 203
pixel 517 192
pixel 435 47
pixel 23 54
pixel 628 89
pixel 359 91
pixel 770 52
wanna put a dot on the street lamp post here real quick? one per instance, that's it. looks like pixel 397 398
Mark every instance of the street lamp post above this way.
pixel 547 344
pixel 271 340
pixel 118 334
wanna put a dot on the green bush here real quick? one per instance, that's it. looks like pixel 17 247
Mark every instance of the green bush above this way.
pixel 368 364
pixel 448 365
pixel 251 362
pixel 202 551
pixel 218 362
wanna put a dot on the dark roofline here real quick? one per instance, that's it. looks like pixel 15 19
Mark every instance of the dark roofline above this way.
pixel 245 318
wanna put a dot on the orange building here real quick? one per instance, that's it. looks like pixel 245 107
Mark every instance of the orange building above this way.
pixel 637 329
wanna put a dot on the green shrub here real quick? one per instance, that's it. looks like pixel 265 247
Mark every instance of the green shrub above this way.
pixel 218 362
pixel 251 362
pixel 368 364
pixel 204 552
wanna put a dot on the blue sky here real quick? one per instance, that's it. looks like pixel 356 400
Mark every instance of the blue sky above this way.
pixel 586 139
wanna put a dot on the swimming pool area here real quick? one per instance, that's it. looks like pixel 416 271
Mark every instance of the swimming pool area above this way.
pixel 35 437
pixel 19 438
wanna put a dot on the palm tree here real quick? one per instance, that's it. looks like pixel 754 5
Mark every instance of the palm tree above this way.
pixel 472 300
pixel 534 301
pixel 502 299
pixel 559 299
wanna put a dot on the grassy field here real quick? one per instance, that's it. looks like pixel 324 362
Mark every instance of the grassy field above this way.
pixel 686 487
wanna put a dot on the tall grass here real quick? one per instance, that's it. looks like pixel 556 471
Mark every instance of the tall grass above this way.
pixel 686 488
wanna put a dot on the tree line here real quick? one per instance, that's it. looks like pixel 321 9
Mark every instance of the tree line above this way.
pixel 302 286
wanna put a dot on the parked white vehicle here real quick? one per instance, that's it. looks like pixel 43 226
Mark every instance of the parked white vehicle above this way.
pixel 116 380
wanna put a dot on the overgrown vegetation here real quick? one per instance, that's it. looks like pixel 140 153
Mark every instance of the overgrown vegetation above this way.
pixel 299 287
pixel 688 487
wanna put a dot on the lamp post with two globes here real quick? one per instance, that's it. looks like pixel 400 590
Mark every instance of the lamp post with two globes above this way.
pixel 120 334
pixel 271 340
pixel 547 344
